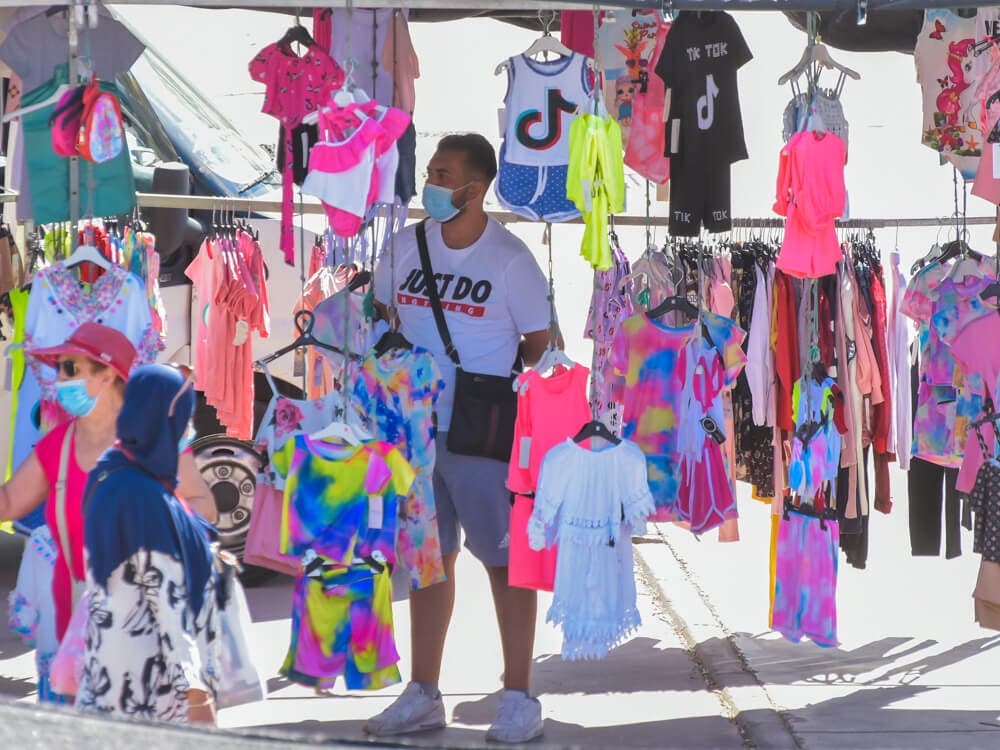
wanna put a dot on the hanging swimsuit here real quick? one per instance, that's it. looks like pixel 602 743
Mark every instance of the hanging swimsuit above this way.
pixel 341 167
pixel 825 105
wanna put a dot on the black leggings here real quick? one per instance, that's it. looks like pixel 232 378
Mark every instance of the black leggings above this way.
pixel 929 487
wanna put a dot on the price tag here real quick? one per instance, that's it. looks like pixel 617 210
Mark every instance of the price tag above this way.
pixel 524 455
pixel 996 161
pixel 376 511
pixel 8 381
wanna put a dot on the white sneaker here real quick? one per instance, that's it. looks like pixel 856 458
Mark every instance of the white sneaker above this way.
pixel 413 711
pixel 519 719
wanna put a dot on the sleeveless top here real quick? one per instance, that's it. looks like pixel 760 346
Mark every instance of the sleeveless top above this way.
pixel 543 99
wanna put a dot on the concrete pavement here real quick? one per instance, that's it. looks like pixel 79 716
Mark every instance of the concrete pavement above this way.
pixel 913 670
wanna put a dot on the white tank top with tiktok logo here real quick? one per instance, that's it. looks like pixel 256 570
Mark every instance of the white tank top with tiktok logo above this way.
pixel 543 99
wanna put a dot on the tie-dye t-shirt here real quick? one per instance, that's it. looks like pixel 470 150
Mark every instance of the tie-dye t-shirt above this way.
pixel 947 398
pixel 395 396
pixel 646 353
pixel 341 500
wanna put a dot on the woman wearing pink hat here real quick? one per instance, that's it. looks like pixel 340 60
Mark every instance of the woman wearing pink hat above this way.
pixel 92 367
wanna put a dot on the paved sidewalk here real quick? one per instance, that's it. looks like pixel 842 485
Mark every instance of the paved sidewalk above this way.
pixel 913 670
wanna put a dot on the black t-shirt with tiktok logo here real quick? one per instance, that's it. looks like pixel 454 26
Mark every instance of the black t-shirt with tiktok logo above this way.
pixel 700 59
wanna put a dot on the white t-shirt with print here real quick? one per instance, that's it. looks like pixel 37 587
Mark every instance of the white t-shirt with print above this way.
pixel 491 292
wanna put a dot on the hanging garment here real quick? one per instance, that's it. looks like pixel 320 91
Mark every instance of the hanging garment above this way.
pixel 323 283
pixel 590 502
pixel 295 86
pixel 705 497
pixel 821 111
pixel 704 134
pixel 610 306
pixel 341 169
pixel 646 353
pixel 542 100
pixel 901 436
pixel 231 288
pixel 595 182
pixel 341 500
pixel 395 397
pixel 647 132
pixel 986 503
pixel 816 441
pixel 363 34
pixel 945 62
pixel 576 30
pixel 48 174
pixel 812 194
pixel 946 399
pixel 627 39
pixel 805 596
pixel 549 410
pixel 57 305
pixel 342 625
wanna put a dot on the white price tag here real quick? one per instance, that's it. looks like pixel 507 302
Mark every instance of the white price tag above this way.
pixel 502 119
pixel 996 160
pixel 376 511
pixel 242 332
pixel 8 381
pixel 524 454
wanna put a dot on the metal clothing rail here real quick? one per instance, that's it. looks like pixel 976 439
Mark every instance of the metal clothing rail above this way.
pixel 243 205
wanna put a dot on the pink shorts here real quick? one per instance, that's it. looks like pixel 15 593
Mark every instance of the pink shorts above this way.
pixel 528 568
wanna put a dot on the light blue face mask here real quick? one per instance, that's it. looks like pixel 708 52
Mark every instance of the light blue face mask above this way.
pixel 437 202
pixel 73 397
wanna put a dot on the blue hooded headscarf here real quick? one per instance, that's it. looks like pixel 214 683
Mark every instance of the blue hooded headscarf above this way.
pixel 130 503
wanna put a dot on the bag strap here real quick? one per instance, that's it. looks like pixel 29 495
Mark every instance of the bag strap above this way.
pixel 432 292
pixel 62 479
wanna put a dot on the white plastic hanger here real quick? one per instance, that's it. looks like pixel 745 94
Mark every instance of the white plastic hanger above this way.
pixel 56 96
pixel 545 43
pixel 87 254
pixel 343 432
pixel 820 55
pixel 553 357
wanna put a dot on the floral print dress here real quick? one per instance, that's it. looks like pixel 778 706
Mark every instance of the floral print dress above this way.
pixel 145 647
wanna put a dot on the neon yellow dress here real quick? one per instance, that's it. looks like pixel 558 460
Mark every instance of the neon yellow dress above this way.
pixel 595 182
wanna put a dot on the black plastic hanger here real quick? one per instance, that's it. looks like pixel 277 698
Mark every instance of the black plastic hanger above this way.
pixel 670 304
pixel 596 428
pixel 392 340
pixel 297 33
pixel 304 322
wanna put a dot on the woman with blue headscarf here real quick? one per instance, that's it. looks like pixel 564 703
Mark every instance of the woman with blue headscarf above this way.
pixel 152 629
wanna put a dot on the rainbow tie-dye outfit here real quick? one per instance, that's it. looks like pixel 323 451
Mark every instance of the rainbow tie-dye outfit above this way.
pixel 340 513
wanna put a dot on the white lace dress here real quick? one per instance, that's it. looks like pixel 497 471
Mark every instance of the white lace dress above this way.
pixel 590 502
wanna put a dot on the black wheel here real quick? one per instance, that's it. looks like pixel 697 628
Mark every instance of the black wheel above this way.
pixel 229 467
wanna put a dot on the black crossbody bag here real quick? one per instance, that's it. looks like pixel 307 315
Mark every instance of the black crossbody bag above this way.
pixel 485 406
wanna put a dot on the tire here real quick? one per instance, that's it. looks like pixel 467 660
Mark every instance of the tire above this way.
pixel 229 467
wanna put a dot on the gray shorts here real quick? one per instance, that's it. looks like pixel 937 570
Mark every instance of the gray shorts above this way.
pixel 470 492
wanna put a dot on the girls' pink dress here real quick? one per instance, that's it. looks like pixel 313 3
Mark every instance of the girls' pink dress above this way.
pixel 811 193
pixel 549 411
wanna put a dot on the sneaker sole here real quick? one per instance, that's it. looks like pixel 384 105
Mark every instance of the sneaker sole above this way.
pixel 423 727
pixel 532 736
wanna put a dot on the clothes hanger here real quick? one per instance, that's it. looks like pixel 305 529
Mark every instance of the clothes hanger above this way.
pixel 596 429
pixel 546 43
pixel 304 322
pixel 297 33
pixel 393 338
pixel 816 53
pixel 341 431
pixel 87 254
pixel 56 96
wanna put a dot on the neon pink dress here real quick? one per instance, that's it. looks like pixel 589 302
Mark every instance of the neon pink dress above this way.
pixel 811 193
pixel 548 412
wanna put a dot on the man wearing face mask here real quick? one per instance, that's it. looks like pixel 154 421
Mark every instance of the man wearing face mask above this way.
pixel 92 367
pixel 494 298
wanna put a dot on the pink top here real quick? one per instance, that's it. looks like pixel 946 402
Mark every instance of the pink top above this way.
pixel 48 451
pixel 549 411
pixel 811 193
pixel 295 86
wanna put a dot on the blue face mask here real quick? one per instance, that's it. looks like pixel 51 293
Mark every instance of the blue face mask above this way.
pixel 73 397
pixel 437 202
